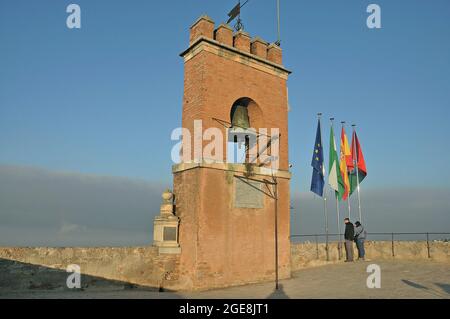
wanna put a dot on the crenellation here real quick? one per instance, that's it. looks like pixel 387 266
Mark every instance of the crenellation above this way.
pixel 259 47
pixel 224 34
pixel 242 41
pixel 274 54
pixel 203 27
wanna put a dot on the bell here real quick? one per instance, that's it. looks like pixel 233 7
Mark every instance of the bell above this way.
pixel 240 117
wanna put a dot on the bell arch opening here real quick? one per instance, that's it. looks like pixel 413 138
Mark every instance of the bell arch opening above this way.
pixel 246 111
pixel 245 118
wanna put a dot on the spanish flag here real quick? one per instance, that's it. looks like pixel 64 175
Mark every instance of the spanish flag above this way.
pixel 345 162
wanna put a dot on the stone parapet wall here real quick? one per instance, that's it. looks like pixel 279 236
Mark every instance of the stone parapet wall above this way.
pixel 310 254
pixel 143 266
pixel 135 265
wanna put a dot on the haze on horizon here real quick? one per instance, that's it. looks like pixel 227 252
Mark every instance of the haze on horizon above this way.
pixel 39 207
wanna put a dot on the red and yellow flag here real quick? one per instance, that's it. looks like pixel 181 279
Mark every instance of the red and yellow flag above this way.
pixel 345 163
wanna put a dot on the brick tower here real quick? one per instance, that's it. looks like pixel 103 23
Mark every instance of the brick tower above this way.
pixel 227 217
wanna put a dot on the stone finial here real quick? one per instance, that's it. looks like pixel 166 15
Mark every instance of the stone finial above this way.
pixel 167 203
pixel 167 196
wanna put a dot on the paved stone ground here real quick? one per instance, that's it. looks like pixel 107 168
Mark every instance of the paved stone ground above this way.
pixel 399 279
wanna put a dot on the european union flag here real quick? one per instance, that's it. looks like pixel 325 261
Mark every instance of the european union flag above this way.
pixel 318 180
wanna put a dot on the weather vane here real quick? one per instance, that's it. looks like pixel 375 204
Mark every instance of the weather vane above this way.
pixel 236 12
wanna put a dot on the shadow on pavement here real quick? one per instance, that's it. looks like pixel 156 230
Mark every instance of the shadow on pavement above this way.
pixel 29 280
pixel 444 287
pixel 278 294
pixel 424 288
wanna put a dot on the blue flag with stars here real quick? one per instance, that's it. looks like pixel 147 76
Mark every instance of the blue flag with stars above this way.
pixel 318 180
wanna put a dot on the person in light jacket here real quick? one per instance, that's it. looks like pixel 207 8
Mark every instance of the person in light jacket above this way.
pixel 360 237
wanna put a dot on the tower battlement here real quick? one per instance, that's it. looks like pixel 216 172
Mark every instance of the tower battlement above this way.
pixel 204 28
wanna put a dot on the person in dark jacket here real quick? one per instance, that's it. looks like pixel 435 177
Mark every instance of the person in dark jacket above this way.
pixel 349 236
pixel 360 237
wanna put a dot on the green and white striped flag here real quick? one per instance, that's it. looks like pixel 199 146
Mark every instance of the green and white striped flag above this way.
pixel 334 176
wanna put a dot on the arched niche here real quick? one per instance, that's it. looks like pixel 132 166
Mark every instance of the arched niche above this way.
pixel 254 113
pixel 246 118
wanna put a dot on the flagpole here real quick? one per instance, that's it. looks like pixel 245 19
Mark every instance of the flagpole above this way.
pixel 337 202
pixel 324 192
pixel 348 197
pixel 357 174
pixel 326 223
pixel 348 204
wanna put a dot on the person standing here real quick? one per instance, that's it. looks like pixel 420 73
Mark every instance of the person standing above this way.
pixel 349 236
pixel 360 237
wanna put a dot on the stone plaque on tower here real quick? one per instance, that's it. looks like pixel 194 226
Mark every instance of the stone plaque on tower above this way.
pixel 248 194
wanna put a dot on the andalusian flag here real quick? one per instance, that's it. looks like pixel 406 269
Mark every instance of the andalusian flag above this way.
pixel 346 161
pixel 334 176
pixel 357 157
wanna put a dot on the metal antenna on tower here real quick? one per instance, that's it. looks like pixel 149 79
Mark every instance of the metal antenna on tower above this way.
pixel 278 42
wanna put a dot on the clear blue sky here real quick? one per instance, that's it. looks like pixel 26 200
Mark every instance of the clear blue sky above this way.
pixel 104 99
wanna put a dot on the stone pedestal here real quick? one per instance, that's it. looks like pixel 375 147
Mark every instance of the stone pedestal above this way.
pixel 165 227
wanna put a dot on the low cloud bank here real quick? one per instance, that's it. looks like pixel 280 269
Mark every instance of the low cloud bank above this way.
pixel 41 207
pixel 46 208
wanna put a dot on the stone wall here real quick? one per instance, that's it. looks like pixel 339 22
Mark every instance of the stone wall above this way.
pixel 143 266
pixel 224 245
pixel 131 265
pixel 308 254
